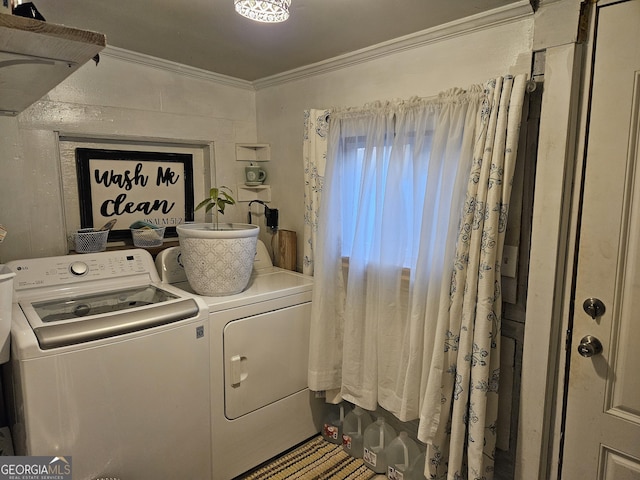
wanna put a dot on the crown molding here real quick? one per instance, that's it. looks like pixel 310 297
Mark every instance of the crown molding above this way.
pixel 174 67
pixel 498 16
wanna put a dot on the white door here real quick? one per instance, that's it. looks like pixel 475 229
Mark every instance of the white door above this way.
pixel 602 436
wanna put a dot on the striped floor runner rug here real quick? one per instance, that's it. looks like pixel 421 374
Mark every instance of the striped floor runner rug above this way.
pixel 316 459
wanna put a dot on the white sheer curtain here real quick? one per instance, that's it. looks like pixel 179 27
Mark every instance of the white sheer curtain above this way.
pixel 395 172
pixel 385 317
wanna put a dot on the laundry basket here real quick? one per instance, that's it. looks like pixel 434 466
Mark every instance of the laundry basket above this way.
pixel 89 240
pixel 147 237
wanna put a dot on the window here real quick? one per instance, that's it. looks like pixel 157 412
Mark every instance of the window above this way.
pixel 384 188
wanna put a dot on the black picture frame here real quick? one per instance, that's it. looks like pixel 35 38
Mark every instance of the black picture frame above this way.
pixel 117 178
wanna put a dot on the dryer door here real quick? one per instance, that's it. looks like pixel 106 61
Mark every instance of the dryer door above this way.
pixel 266 358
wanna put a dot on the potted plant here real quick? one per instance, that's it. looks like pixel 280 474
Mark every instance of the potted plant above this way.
pixel 217 201
pixel 218 257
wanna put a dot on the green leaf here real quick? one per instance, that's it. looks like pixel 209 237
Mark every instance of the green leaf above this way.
pixel 218 198
pixel 203 203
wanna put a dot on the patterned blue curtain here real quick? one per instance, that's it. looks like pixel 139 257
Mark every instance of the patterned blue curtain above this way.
pixel 458 418
pixel 314 153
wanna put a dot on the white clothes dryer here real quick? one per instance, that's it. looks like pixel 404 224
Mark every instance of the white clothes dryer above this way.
pixel 260 403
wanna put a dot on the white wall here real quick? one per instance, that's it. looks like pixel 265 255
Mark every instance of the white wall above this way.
pixel 457 61
pixel 119 98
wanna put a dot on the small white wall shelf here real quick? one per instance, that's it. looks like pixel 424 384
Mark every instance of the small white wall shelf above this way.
pixel 247 193
pixel 253 152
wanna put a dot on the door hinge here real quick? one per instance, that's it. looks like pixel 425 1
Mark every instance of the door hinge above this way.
pixel 567 340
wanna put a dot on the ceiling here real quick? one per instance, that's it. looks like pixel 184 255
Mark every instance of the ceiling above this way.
pixel 209 35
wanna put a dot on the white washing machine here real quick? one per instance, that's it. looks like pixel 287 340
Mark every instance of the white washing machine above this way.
pixel 110 367
pixel 260 402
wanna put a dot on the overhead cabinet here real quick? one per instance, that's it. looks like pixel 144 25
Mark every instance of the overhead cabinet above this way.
pixel 36 56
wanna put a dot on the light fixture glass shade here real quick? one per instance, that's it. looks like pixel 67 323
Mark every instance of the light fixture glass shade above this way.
pixel 269 11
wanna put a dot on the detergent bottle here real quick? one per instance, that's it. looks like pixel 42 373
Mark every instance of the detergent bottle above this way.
pixel 355 423
pixel 400 455
pixel 377 437
pixel 332 427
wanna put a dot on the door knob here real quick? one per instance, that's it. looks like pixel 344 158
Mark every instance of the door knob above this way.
pixel 589 346
pixel 594 307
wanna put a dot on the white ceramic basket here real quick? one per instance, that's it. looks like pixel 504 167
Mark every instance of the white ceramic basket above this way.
pixel 218 262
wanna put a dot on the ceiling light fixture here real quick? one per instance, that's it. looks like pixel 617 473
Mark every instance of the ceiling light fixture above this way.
pixel 268 11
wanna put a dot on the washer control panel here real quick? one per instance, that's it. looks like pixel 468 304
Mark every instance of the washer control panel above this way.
pixel 55 271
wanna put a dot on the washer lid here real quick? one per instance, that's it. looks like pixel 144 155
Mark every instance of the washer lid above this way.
pixel 99 327
pixel 95 316
pixel 99 303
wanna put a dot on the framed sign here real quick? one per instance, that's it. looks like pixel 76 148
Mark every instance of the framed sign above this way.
pixel 130 186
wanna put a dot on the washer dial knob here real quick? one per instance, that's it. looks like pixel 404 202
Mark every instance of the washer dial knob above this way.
pixel 78 268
